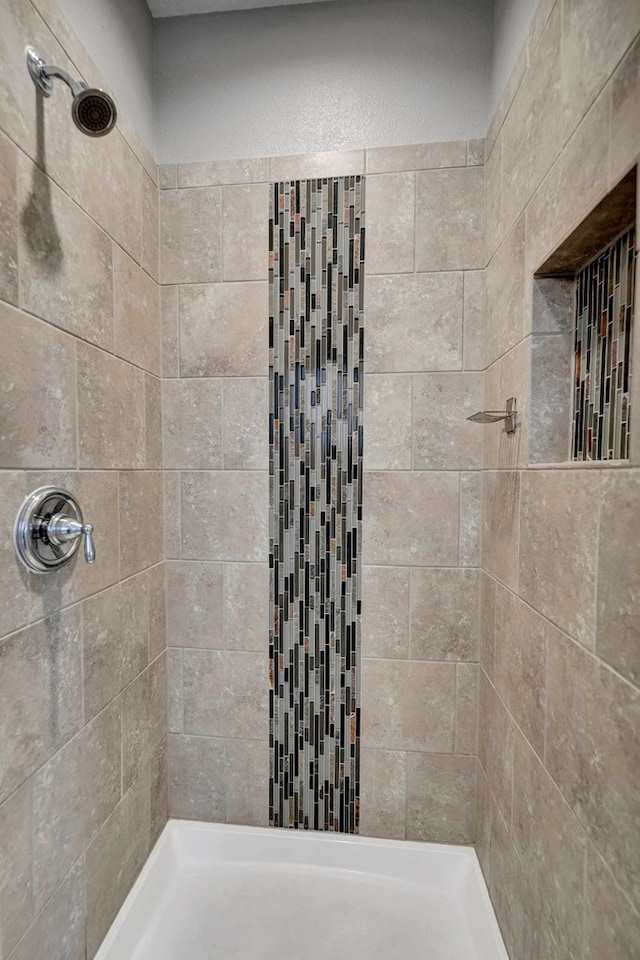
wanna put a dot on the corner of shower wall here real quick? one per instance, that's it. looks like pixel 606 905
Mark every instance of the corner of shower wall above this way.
pixel 83 778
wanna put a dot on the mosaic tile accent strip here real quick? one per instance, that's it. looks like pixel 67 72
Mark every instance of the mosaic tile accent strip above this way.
pixel 316 339
pixel 604 325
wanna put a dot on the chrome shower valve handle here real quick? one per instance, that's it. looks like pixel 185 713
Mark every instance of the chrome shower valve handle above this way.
pixel 48 530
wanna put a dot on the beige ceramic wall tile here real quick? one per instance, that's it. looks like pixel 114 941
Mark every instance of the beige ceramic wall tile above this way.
pixel 172 514
pixel 333 163
pixel 618 599
pixel 521 637
pixel 443 438
pixel 58 933
pixel 156 593
pixel 16 897
pixel 408 705
pixel 144 719
pixel 553 305
pixel 192 424
pixel 505 283
pixel 246 606
pixel 245 232
pixel 175 689
pixel 445 606
pixel 190 235
pixel 169 325
pixel 494 226
pixel 551 398
pixel 450 219
pixel 383 799
pixel 418 156
pixel 483 824
pixel 8 221
pixel 500 525
pixel 385 612
pixel 509 92
pixel 534 129
pixel 552 846
pixel 246 782
pixel 387 415
pixel 60 247
pixel 488 588
pixel 73 794
pixel 225 515
pixel 141 533
pixel 223 330
pixel 593 753
pixel 475 153
pixel 153 421
pixel 474 309
pixel 115 641
pixel 196 778
pixel 612 926
pixel 246 416
pixel 159 789
pixel 226 694
pixel 150 243
pixel 576 182
pixel 168 176
pixel 390 205
pixel 467 709
pixel 441 798
pixel 495 745
pixel 40 678
pixel 194 604
pixel 591 46
pixel 136 309
pixel 114 858
pixel 470 518
pixel 509 376
pixel 558 570
pixel 110 394
pixel 411 518
pixel 625 140
pixel 37 389
pixel 413 323
pixel 214 172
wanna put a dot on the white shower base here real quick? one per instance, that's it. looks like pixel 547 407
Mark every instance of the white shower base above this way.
pixel 212 891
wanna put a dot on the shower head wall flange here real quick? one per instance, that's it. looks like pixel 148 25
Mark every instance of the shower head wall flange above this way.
pixel 93 111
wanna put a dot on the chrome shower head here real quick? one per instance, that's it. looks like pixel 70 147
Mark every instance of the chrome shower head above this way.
pixel 93 110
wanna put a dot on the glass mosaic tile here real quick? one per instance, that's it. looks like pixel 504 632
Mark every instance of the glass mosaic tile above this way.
pixel 604 325
pixel 316 278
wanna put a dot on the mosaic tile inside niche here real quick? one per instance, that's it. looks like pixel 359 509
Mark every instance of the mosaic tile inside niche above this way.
pixel 604 326
pixel 316 280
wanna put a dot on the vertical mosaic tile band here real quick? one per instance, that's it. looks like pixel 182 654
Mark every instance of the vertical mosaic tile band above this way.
pixel 604 324
pixel 316 281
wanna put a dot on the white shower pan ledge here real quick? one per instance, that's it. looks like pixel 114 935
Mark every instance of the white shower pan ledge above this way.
pixel 211 891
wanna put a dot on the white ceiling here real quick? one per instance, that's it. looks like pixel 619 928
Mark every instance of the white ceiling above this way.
pixel 182 8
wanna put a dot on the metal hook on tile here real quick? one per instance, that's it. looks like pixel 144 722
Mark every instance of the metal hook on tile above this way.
pixel 509 415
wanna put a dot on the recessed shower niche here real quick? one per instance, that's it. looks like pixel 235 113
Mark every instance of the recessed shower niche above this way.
pixel 582 342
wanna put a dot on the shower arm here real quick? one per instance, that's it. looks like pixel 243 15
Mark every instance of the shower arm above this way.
pixel 43 73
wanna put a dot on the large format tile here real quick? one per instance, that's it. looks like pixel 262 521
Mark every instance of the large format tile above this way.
pixel 153 421
pixel 190 235
pixel 111 411
pixel 612 926
pixel 115 637
pixel 245 239
pixel 500 525
pixel 513 895
pixel 150 241
pixel 58 933
pixel 408 705
pixel 450 219
pixel 8 221
pixel 246 414
pixel 330 163
pixel 246 782
pixel 488 588
pixel 593 753
pixel 445 607
pixel 40 690
pixel 618 600
pixel 495 745
pixel 141 527
pixel 16 893
pixel 156 594
pixel 388 401
pixel 224 515
pixel 418 156
pixel 558 547
pixel 136 311
pixel 144 719
pixel 474 314
pixel 14 579
pixel 65 259
pixel 192 424
pixel 390 223
pixel 223 330
pixel 246 606
pixel 169 322
pixel 443 438
pixel 467 679
pixel 194 604
pixel 625 138
pixel 214 172
pixel 414 323
pixel 470 517
pixel 38 393
pixel 505 288
pixel 441 798
pixel 74 793
pixel 411 518
pixel 385 612
pixel 225 694
pixel 383 800
pixel 196 778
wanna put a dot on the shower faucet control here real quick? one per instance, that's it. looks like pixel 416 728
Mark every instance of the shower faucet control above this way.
pixel 48 530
